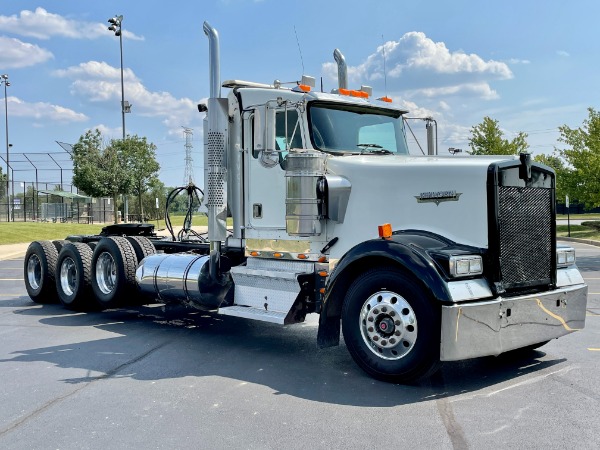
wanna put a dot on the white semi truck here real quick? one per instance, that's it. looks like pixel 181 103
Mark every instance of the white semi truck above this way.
pixel 417 259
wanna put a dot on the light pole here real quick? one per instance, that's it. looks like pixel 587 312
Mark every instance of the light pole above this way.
pixel 115 26
pixel 6 83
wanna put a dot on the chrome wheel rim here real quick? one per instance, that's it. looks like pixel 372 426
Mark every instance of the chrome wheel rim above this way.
pixel 34 272
pixel 68 276
pixel 106 273
pixel 388 325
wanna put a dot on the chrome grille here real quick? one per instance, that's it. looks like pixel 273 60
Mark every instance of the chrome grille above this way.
pixel 526 241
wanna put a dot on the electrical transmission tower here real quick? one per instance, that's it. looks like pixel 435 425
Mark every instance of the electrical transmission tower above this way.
pixel 188 177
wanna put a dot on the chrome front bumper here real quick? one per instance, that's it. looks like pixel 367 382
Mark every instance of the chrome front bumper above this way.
pixel 492 327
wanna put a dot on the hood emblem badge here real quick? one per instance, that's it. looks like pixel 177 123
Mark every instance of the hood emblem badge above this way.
pixel 438 197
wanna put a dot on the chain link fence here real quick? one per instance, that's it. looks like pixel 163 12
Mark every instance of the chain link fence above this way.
pixel 53 202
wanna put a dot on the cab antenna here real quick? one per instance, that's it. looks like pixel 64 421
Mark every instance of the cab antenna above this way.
pixel 299 50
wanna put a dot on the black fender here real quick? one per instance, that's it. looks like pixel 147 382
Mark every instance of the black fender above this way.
pixel 410 250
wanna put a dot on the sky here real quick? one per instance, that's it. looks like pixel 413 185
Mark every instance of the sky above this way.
pixel 533 66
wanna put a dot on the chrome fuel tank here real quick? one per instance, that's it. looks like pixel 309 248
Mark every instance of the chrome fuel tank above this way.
pixel 182 278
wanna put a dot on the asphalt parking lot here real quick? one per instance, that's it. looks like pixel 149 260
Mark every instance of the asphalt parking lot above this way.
pixel 157 377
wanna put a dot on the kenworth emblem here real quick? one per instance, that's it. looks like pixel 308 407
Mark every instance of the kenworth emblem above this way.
pixel 438 197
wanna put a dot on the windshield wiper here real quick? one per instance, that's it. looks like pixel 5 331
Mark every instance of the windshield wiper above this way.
pixel 374 148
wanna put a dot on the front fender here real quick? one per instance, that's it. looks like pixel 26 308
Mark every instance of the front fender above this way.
pixel 406 251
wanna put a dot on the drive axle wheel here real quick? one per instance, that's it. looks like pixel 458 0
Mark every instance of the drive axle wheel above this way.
pixel 113 271
pixel 390 327
pixel 40 262
pixel 73 276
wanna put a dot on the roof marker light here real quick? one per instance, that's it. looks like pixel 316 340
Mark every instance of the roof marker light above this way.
pixel 359 94
pixel 385 99
pixel 385 230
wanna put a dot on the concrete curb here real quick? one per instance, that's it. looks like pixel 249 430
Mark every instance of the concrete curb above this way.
pixel 581 241
pixel 12 251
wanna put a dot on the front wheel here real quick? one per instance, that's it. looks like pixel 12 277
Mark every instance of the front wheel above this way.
pixel 390 327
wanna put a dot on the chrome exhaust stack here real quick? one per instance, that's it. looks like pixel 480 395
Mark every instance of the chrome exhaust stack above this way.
pixel 214 56
pixel 215 144
pixel 342 69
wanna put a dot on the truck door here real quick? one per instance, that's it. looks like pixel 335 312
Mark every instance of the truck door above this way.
pixel 265 170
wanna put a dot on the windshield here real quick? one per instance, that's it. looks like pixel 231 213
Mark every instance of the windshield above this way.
pixel 355 129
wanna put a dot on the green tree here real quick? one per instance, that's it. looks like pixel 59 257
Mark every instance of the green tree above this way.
pixel 564 174
pixel 141 163
pixel 101 170
pixel 156 190
pixel 2 183
pixel 582 155
pixel 487 139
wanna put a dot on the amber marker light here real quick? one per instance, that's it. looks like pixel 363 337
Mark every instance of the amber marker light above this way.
pixel 385 99
pixel 277 255
pixel 359 94
pixel 304 87
pixel 302 256
pixel 385 230
pixel 254 253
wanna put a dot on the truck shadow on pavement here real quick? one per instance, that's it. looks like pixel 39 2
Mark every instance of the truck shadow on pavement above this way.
pixel 588 263
pixel 158 342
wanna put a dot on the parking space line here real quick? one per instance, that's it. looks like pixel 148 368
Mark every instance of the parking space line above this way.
pixel 11 279
pixel 594 349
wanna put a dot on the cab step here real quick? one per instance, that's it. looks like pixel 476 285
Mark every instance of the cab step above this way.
pixel 267 289
pixel 248 312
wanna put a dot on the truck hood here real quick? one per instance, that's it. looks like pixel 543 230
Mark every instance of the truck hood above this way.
pixel 442 195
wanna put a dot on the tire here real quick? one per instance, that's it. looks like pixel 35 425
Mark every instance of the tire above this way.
pixel 92 245
pixel 38 271
pixel 142 246
pixel 391 328
pixel 73 276
pixel 113 272
pixel 59 244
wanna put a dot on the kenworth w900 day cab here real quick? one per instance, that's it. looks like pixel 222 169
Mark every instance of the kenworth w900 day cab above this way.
pixel 417 259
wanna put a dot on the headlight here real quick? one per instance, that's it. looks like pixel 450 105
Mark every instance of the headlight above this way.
pixel 465 266
pixel 565 257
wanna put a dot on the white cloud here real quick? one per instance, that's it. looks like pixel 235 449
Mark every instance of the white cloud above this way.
pixel 42 110
pixel 480 90
pixel 15 54
pixel 518 61
pixel 99 82
pixel 562 53
pixel 455 135
pixel 96 70
pixel 413 109
pixel 415 62
pixel 41 24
